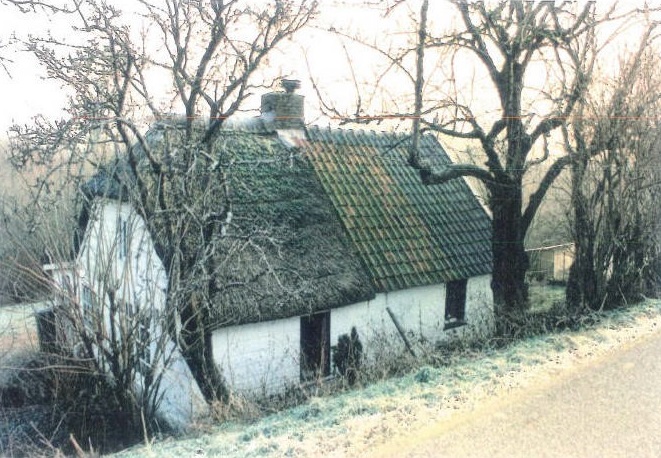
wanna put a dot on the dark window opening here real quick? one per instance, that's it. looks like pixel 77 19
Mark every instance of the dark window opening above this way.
pixel 123 242
pixel 87 300
pixel 455 303
pixel 315 346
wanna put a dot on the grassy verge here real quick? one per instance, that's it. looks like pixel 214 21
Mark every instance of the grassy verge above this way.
pixel 353 422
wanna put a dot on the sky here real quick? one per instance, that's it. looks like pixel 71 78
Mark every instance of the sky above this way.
pixel 25 91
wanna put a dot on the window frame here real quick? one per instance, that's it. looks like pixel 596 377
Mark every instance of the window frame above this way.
pixel 455 303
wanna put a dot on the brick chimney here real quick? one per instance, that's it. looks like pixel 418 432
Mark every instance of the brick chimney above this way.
pixel 284 109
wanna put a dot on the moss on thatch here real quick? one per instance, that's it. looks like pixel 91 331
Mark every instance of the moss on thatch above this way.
pixel 284 252
pixel 287 253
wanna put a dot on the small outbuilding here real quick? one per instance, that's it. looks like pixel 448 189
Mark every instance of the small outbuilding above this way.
pixel 552 262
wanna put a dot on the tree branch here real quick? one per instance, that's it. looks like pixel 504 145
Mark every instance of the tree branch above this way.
pixel 453 171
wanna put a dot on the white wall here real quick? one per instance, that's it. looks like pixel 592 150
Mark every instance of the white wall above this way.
pixel 139 279
pixel 181 401
pixel 420 312
pixel 139 276
pixel 259 358
pixel 263 358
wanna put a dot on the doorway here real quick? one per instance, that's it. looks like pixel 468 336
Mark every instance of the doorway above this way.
pixel 315 346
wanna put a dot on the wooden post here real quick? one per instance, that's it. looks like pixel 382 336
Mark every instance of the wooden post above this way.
pixel 401 332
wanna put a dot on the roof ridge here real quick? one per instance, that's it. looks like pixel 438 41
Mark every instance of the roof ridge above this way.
pixel 362 131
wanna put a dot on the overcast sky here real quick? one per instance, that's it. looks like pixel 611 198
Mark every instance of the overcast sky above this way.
pixel 26 92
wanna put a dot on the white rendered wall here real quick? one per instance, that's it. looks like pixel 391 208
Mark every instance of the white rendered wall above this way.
pixel 263 358
pixel 259 358
pixel 479 303
pixel 138 278
pixel 420 312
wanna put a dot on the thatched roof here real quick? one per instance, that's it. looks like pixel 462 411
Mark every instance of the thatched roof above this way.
pixel 287 253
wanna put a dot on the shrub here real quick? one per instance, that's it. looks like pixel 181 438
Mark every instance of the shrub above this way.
pixel 50 406
pixel 347 356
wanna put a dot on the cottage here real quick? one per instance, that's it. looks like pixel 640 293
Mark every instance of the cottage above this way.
pixel 353 241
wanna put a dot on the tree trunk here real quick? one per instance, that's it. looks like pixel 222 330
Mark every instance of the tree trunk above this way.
pixel 199 357
pixel 582 284
pixel 197 348
pixel 510 261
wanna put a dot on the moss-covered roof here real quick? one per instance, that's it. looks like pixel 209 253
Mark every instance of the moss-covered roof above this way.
pixel 284 253
pixel 407 234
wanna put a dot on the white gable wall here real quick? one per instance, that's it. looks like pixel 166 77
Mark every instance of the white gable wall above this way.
pixel 264 358
pixel 117 253
pixel 136 269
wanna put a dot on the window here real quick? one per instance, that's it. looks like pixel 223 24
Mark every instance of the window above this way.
pixel 455 303
pixel 315 346
pixel 88 308
pixel 122 239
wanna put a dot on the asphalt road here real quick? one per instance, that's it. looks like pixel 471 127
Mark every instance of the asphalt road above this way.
pixel 611 408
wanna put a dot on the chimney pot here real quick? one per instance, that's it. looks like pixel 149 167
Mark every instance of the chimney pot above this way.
pixel 290 86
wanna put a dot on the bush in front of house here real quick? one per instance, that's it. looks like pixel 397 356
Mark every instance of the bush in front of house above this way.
pixel 51 405
pixel 348 355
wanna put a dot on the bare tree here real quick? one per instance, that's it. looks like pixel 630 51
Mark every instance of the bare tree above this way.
pixel 202 59
pixel 506 39
pixel 506 76
pixel 27 6
pixel 105 347
pixel 612 141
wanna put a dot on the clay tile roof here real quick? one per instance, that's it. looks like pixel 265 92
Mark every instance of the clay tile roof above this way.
pixel 407 234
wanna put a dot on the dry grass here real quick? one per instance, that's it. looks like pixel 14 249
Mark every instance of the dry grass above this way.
pixel 360 421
